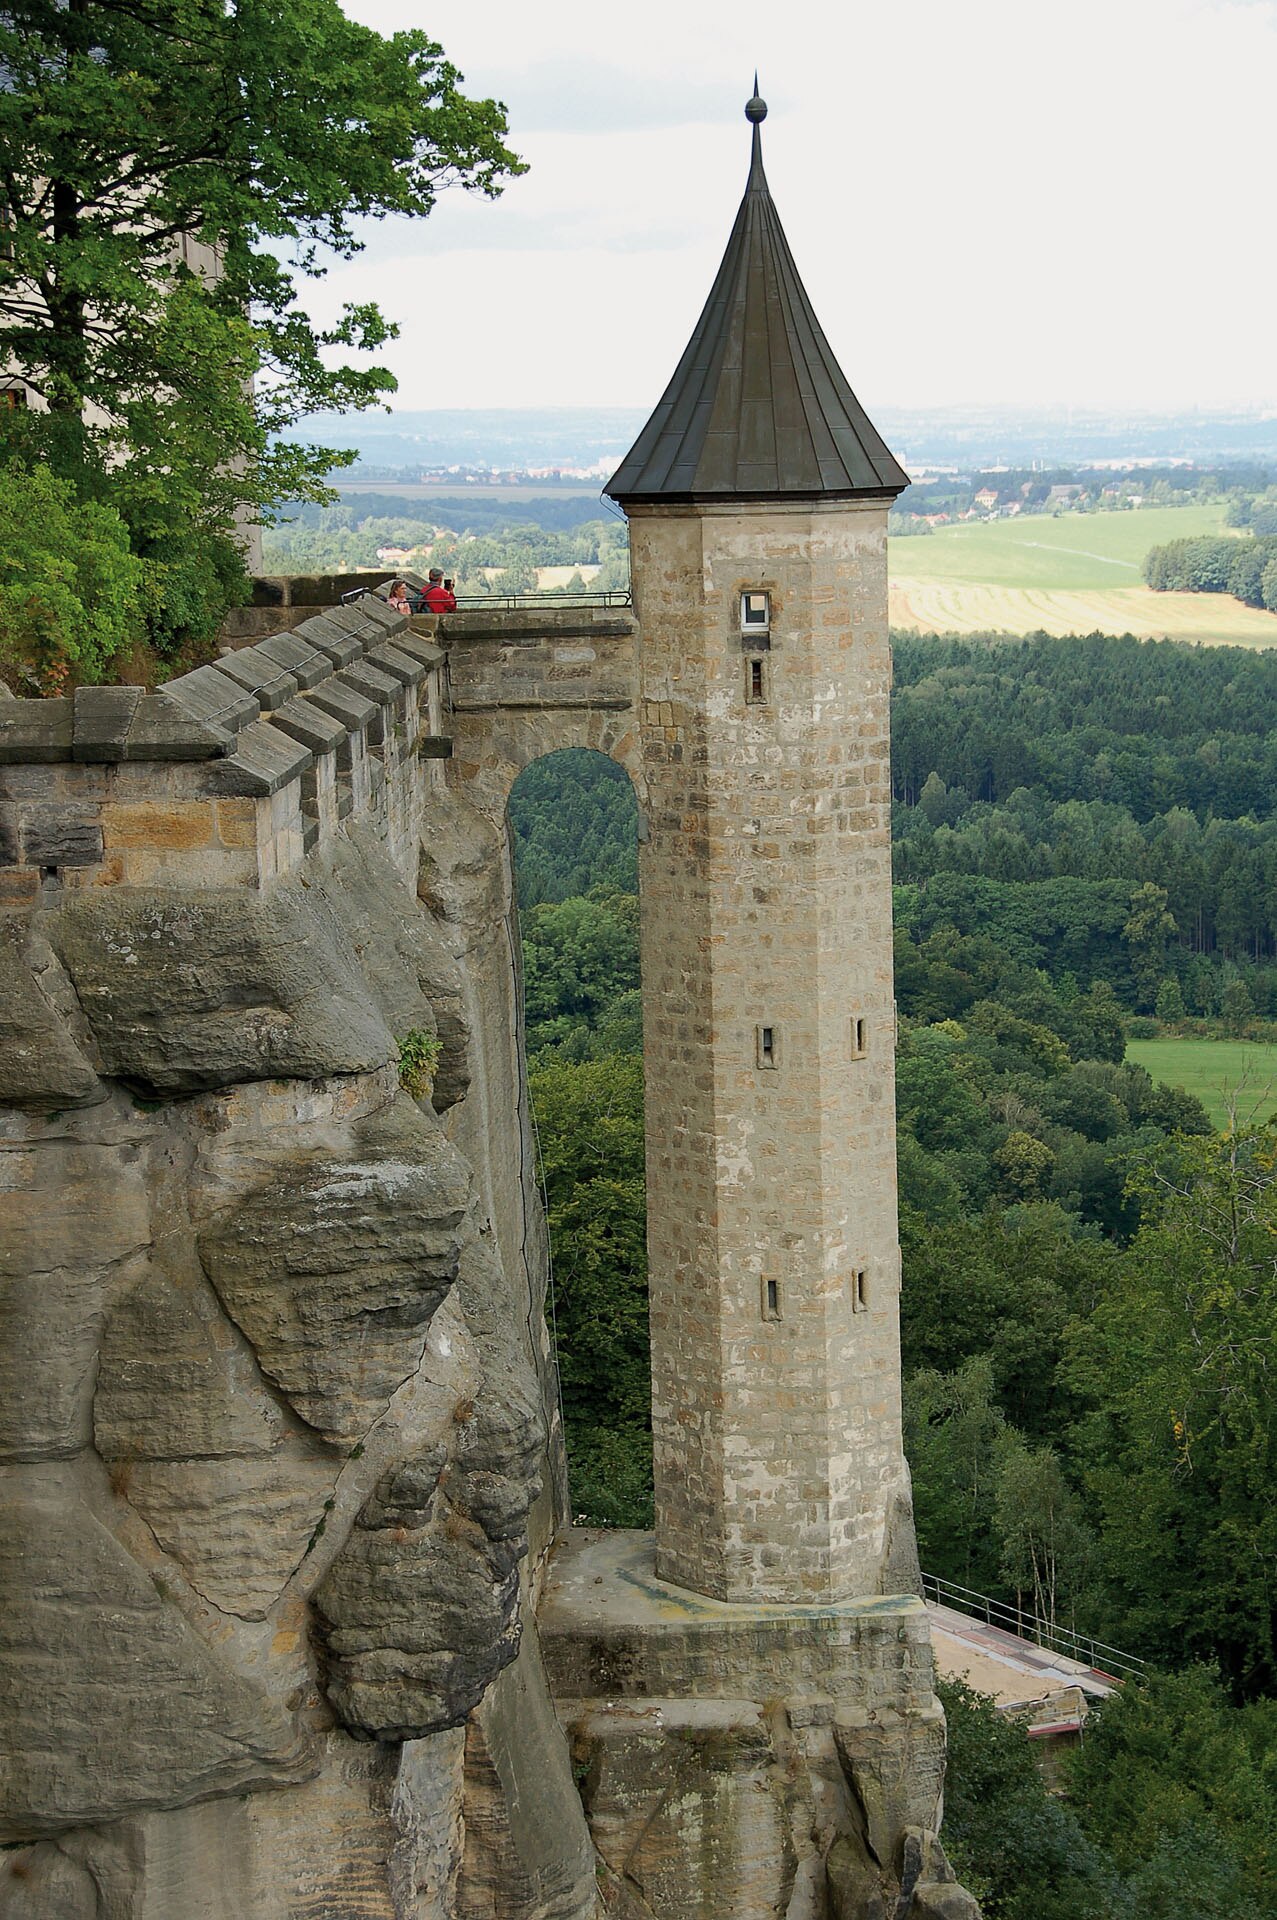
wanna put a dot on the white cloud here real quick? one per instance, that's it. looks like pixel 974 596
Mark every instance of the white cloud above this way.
pixel 1011 201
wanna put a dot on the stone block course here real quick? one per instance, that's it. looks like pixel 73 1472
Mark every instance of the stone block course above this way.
pixel 173 827
pixel 310 726
pixel 215 698
pixel 391 659
pixel 264 760
pixel 259 674
pixel 101 722
pixel 162 729
pixel 340 640
pixel 35 732
pixel 305 663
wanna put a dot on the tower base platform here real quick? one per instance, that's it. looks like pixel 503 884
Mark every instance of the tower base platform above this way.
pixel 744 1762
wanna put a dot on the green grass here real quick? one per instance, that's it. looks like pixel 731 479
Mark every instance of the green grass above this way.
pixel 1078 550
pixel 1212 1069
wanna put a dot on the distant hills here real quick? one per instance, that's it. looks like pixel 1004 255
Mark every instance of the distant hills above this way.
pixel 404 443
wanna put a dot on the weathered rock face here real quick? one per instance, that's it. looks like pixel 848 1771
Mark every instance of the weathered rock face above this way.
pixel 271 1399
pixel 334 1268
pixel 672 1783
pixel 113 1703
pixel 41 1068
pixel 186 993
pixel 420 1607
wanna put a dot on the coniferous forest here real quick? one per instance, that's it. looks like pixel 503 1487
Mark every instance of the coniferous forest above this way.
pixel 1084 850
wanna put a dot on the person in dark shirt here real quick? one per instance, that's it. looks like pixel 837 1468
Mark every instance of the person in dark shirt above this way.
pixel 439 597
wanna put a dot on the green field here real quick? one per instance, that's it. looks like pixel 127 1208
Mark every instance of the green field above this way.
pixel 1214 1069
pixel 1078 550
pixel 1080 573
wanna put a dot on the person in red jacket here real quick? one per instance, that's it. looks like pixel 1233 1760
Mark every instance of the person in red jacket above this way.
pixel 439 597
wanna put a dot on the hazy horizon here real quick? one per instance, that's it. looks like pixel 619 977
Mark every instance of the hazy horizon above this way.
pixel 973 435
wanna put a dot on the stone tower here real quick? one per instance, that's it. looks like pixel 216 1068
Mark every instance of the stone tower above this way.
pixel 757 499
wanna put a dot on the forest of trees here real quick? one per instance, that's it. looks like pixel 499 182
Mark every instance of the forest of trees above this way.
pixel 1244 566
pixel 1090 1283
pixel 1103 808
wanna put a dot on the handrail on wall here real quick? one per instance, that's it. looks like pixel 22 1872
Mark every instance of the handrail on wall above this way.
pixel 1031 1626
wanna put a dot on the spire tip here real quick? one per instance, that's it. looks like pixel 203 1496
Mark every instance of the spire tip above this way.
pixel 756 109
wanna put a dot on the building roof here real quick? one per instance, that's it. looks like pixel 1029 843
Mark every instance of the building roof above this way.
pixel 758 406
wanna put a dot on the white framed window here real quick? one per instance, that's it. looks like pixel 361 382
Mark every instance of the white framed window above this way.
pixel 755 614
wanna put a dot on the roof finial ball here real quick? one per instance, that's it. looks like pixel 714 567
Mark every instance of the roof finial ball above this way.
pixel 756 109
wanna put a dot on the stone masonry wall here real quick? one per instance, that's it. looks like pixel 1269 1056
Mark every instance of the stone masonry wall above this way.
pixel 769 1052
pixel 279 1459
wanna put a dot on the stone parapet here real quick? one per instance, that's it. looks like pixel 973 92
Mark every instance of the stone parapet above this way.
pixel 531 680
pixel 744 1760
pixel 612 1630
pixel 230 774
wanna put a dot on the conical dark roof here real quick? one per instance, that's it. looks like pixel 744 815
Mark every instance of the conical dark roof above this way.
pixel 758 406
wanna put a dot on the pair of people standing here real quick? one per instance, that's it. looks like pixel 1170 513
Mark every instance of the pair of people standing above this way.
pixel 437 598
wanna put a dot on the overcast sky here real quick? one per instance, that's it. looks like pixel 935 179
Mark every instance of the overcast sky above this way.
pixel 989 200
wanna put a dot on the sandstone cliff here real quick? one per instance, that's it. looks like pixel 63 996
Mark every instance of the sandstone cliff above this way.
pixel 277 1430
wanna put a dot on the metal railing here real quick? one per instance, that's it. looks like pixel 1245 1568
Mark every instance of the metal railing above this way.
pixel 511 602
pixel 620 597
pixel 1030 1626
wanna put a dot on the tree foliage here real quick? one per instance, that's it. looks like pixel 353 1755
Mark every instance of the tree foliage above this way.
pixel 590 1129
pixel 172 169
pixel 69 581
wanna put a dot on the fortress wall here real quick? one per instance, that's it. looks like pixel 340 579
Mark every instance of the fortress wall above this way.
pixel 532 681
pixel 230 775
pixel 277 1421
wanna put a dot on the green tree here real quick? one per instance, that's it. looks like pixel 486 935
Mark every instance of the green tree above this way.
pixel 1169 1006
pixel 1236 1007
pixel 580 957
pixel 1179 1788
pixel 1022 1166
pixel 590 1128
pixel 1045 1541
pixel 69 582
pixel 1179 1451
pixel 955 1440
pixel 1021 1851
pixel 170 173
pixel 1148 927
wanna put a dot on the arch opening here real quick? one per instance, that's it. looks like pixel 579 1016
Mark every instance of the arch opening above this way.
pixel 573 820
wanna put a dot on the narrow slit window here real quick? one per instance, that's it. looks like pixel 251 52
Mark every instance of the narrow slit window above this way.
pixel 768 1044
pixel 755 683
pixel 859 1291
pixel 771 1300
pixel 858 1036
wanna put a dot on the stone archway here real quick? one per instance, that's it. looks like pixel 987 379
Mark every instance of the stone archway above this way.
pixel 528 682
